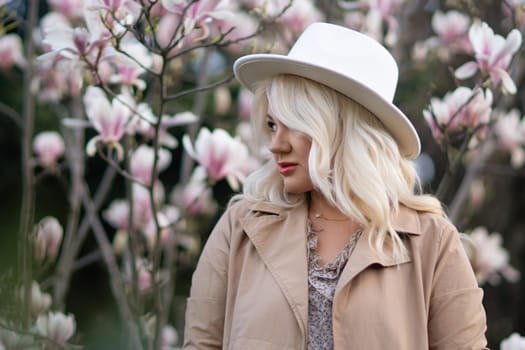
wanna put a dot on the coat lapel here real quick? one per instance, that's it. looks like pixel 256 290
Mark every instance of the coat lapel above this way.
pixel 406 222
pixel 279 237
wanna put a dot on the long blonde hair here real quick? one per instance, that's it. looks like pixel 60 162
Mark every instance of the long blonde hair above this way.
pixel 354 162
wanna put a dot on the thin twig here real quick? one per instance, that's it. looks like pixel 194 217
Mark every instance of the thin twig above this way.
pixel 12 114
pixel 116 282
pixel 464 188
pixel 28 192
pixel 63 271
pixel 119 169
pixel 200 88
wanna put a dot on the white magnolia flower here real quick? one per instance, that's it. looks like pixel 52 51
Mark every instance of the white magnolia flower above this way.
pixel 56 326
pixel 513 342
pixel 489 258
pixel 48 146
pixel 40 302
pixel 169 337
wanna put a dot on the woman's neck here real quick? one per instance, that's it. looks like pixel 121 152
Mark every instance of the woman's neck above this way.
pixel 321 207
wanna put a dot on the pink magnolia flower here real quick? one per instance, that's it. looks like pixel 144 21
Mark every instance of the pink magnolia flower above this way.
pixel 117 214
pixel 379 12
pixel 56 326
pixel 109 18
pixel 71 43
pixel 452 34
pixel 165 220
pixel 72 9
pixel 49 147
pixel 48 21
pixel 109 119
pixel 300 14
pixel 383 11
pixel 145 279
pixel 124 12
pixel 510 130
pixel 48 238
pixel 141 162
pixel 56 80
pixel 169 337
pixel 199 14
pixel 513 342
pixel 142 207
pixel 220 154
pixel 493 54
pixel 166 31
pixel 196 197
pixel 240 25
pixel 463 108
pixel 452 30
pixel 129 66
pixel 488 258
pixel 146 121
pixel 11 52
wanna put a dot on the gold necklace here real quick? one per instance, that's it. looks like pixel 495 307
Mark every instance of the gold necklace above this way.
pixel 318 215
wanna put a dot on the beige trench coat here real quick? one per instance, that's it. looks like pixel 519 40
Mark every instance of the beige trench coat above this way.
pixel 250 290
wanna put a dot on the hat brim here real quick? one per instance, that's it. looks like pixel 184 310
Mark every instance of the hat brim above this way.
pixel 252 69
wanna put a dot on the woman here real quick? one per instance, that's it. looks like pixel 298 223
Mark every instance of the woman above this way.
pixel 329 247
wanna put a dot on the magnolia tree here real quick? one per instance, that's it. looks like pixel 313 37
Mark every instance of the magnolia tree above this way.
pixel 144 88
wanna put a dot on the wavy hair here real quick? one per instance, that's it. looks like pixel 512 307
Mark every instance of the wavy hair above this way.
pixel 354 161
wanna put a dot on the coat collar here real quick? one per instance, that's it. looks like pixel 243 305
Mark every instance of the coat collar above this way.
pixel 406 220
pixel 279 236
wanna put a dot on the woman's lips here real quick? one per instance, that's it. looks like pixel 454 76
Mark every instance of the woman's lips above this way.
pixel 286 168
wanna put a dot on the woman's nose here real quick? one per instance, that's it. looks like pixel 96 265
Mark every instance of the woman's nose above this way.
pixel 279 143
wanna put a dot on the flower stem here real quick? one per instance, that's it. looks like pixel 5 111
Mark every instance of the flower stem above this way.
pixel 28 193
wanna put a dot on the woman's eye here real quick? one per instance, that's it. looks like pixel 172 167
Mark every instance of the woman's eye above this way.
pixel 271 125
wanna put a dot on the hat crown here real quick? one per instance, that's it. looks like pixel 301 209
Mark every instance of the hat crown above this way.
pixel 347 61
pixel 349 53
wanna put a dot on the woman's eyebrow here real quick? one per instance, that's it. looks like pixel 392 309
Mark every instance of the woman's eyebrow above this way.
pixel 269 117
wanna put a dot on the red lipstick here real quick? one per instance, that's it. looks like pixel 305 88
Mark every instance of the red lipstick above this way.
pixel 286 168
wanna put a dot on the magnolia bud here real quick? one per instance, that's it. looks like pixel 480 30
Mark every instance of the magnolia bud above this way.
pixel 40 302
pixel 48 146
pixel 223 100
pixel 56 326
pixel 120 242
pixel 49 231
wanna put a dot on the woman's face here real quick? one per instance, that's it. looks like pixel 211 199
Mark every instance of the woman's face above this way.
pixel 290 149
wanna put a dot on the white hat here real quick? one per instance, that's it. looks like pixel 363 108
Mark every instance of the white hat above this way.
pixel 347 61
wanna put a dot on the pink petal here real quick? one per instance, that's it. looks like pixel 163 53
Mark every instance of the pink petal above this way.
pixel 467 70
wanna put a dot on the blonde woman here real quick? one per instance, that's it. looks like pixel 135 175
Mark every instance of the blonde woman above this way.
pixel 332 245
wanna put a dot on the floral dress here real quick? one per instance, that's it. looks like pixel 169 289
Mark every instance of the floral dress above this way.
pixel 322 281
